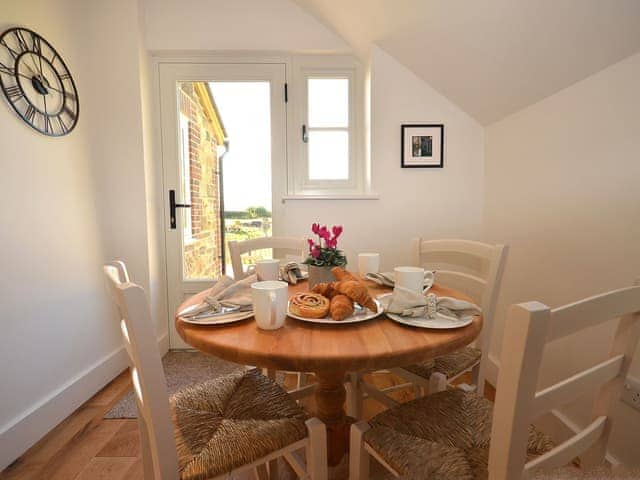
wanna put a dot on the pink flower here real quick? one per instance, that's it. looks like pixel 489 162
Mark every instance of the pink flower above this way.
pixel 315 251
pixel 324 233
pixel 337 230
pixel 332 242
pixel 315 228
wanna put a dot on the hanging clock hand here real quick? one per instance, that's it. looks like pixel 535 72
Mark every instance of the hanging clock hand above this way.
pixel 34 73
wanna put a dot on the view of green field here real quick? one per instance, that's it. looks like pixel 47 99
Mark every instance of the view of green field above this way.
pixel 246 225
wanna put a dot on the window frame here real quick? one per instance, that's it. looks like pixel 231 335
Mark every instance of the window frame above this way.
pixel 326 66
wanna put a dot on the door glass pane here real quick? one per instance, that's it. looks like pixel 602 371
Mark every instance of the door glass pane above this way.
pixel 246 110
pixel 328 155
pixel 328 103
pixel 200 140
pixel 225 172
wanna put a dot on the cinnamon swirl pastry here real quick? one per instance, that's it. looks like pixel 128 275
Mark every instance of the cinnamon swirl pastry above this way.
pixel 309 305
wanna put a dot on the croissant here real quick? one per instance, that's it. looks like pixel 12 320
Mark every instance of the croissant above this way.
pixel 341 274
pixel 325 289
pixel 341 307
pixel 357 292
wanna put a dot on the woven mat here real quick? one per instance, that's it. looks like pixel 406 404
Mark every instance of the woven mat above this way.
pixel 181 369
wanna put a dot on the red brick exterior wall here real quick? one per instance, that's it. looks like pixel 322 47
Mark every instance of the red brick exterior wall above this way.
pixel 201 256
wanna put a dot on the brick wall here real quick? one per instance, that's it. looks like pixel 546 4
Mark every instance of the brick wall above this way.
pixel 201 255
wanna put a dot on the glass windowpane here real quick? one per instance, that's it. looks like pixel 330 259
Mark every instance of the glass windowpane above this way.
pixel 328 155
pixel 328 102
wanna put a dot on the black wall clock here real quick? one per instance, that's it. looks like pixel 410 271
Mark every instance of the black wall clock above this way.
pixel 37 82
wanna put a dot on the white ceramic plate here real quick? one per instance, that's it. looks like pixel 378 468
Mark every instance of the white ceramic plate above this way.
pixel 220 319
pixel 360 315
pixel 438 323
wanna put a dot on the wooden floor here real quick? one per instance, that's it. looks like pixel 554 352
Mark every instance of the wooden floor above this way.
pixel 85 446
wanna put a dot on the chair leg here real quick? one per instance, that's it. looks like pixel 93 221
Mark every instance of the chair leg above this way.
pixel 147 459
pixel 316 451
pixel 354 395
pixel 418 391
pixel 358 456
pixel 302 380
pixel 437 382
pixel 477 379
pixel 273 470
pixel 261 472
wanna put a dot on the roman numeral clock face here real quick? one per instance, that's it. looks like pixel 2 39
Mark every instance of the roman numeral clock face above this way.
pixel 37 83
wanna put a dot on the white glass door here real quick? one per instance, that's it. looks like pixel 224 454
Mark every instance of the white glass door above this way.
pixel 223 137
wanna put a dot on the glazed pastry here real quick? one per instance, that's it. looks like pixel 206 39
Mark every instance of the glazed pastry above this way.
pixel 357 292
pixel 341 307
pixel 325 289
pixel 309 305
pixel 341 274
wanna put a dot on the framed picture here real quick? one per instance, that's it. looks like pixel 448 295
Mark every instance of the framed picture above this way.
pixel 422 146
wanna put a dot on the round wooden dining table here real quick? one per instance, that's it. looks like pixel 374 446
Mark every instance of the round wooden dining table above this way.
pixel 330 351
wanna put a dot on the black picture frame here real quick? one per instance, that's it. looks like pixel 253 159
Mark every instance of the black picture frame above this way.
pixel 429 145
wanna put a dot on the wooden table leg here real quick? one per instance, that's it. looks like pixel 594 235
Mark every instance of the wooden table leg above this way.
pixel 330 397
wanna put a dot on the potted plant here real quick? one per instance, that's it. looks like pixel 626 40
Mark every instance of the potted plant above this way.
pixel 324 254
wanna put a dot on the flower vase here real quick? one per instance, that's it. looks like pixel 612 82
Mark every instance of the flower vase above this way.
pixel 320 275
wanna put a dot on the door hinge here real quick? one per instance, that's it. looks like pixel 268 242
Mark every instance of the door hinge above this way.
pixel 286 93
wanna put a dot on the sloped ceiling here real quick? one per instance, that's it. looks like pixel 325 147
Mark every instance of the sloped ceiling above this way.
pixel 491 57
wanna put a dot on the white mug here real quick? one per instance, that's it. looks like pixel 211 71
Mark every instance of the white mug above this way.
pixel 268 269
pixel 368 263
pixel 270 303
pixel 412 278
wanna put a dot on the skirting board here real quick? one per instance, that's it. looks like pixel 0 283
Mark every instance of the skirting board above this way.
pixel 18 437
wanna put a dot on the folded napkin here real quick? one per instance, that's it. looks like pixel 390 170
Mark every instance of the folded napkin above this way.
pixel 226 293
pixel 291 273
pixel 388 278
pixel 408 303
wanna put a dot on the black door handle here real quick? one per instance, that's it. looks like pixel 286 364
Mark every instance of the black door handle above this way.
pixel 172 208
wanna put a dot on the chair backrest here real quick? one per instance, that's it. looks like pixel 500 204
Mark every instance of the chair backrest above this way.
pixel 475 269
pixel 293 245
pixel 150 389
pixel 528 328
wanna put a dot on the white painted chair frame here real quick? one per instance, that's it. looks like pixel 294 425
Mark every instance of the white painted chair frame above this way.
pixel 159 454
pixel 479 269
pixel 239 248
pixel 293 244
pixel 529 327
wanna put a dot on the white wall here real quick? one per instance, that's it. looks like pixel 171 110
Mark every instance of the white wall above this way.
pixel 70 204
pixel 214 25
pixel 562 189
pixel 428 202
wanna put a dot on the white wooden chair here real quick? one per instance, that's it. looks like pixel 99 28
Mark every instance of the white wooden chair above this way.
pixel 238 422
pixel 294 246
pixel 281 245
pixel 451 431
pixel 473 268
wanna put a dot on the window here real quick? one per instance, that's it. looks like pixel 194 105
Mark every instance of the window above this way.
pixel 328 128
pixel 185 174
pixel 326 138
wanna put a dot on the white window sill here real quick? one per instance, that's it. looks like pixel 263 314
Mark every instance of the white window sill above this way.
pixel 368 196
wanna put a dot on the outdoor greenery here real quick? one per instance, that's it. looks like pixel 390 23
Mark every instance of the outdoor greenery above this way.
pixel 254 222
pixel 250 212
